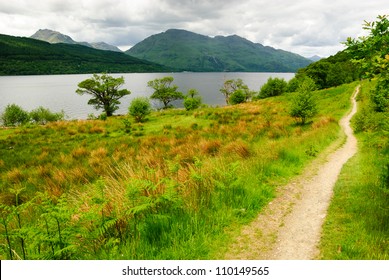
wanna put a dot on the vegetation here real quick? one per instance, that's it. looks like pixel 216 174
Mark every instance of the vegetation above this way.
pixel 176 187
pixel 14 115
pixel 105 92
pixel 357 224
pixel 140 108
pixel 236 91
pixel 273 87
pixel 184 50
pixel 164 91
pixel 25 56
pixel 304 105
pixel 372 54
pixel 192 100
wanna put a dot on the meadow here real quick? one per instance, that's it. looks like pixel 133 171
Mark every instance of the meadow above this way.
pixel 174 187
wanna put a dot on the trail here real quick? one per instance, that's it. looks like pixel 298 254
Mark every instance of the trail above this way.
pixel 289 228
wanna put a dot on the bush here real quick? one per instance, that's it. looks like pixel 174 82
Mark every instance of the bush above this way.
pixel 140 107
pixel 273 87
pixel 42 116
pixel 192 100
pixel 238 97
pixel 14 115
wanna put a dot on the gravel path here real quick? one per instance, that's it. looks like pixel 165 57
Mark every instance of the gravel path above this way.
pixel 289 228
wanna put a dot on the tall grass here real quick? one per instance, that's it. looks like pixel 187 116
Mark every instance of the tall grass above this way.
pixel 173 188
pixel 357 225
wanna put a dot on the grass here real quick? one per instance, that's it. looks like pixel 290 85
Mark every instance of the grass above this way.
pixel 357 225
pixel 173 187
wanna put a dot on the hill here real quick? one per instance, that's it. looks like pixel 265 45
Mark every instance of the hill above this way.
pixel 26 56
pixel 194 52
pixel 55 37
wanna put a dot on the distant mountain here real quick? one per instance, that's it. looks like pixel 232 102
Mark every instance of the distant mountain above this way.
pixel 55 37
pixel 189 51
pixel 26 56
pixel 314 58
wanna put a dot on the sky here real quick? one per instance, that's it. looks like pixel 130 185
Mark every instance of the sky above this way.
pixel 305 27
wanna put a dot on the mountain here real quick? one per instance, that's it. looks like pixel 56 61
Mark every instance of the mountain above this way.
pixel 189 51
pixel 314 58
pixel 55 37
pixel 26 56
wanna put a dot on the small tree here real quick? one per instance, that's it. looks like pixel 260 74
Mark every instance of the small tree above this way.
pixel 43 115
pixel 105 91
pixel 304 106
pixel 238 97
pixel 192 100
pixel 140 107
pixel 14 115
pixel 273 87
pixel 230 87
pixel 164 91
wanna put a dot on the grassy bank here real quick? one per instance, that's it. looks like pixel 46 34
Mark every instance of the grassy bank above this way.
pixel 173 187
pixel 357 225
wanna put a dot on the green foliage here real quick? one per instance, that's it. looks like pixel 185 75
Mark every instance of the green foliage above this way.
pixel 238 97
pixel 185 50
pixel 304 105
pixel 14 115
pixel 372 54
pixel 273 87
pixel 26 56
pixel 164 91
pixel 140 107
pixel 230 87
pixel 43 116
pixel 105 92
pixel 192 100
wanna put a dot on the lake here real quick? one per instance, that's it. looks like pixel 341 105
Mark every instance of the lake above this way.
pixel 57 92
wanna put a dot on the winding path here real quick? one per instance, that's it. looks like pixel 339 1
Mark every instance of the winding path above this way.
pixel 290 226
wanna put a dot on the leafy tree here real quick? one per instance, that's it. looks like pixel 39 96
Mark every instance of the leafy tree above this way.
pixel 273 87
pixel 140 107
pixel 372 54
pixel 14 115
pixel 232 86
pixel 304 106
pixel 164 91
pixel 192 101
pixel 105 91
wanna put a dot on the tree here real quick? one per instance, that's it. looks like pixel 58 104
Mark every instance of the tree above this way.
pixel 372 54
pixel 273 87
pixel 164 91
pixel 14 115
pixel 238 97
pixel 43 115
pixel 303 105
pixel 192 100
pixel 105 90
pixel 232 86
pixel 140 107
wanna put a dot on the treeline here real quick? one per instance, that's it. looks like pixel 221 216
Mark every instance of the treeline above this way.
pixel 26 56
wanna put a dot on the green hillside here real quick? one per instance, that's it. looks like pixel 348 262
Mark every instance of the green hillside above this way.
pixel 26 56
pixel 194 52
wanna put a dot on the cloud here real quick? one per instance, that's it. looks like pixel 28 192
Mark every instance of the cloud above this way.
pixel 307 27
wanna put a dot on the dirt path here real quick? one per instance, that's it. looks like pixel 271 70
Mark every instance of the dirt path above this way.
pixel 290 226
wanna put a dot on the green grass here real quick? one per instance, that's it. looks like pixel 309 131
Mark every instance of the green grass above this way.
pixel 357 225
pixel 173 187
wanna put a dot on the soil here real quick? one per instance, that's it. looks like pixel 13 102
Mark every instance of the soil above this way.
pixel 289 228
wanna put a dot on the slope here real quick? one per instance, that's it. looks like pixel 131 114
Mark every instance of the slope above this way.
pixel 26 56
pixel 194 52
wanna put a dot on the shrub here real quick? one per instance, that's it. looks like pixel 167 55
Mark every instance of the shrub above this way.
pixel 42 116
pixel 140 107
pixel 237 97
pixel 304 106
pixel 192 100
pixel 14 115
pixel 273 87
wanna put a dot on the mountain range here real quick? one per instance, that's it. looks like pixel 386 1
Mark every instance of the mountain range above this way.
pixel 189 51
pixel 55 37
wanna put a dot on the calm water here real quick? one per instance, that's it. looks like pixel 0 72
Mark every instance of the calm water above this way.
pixel 57 92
